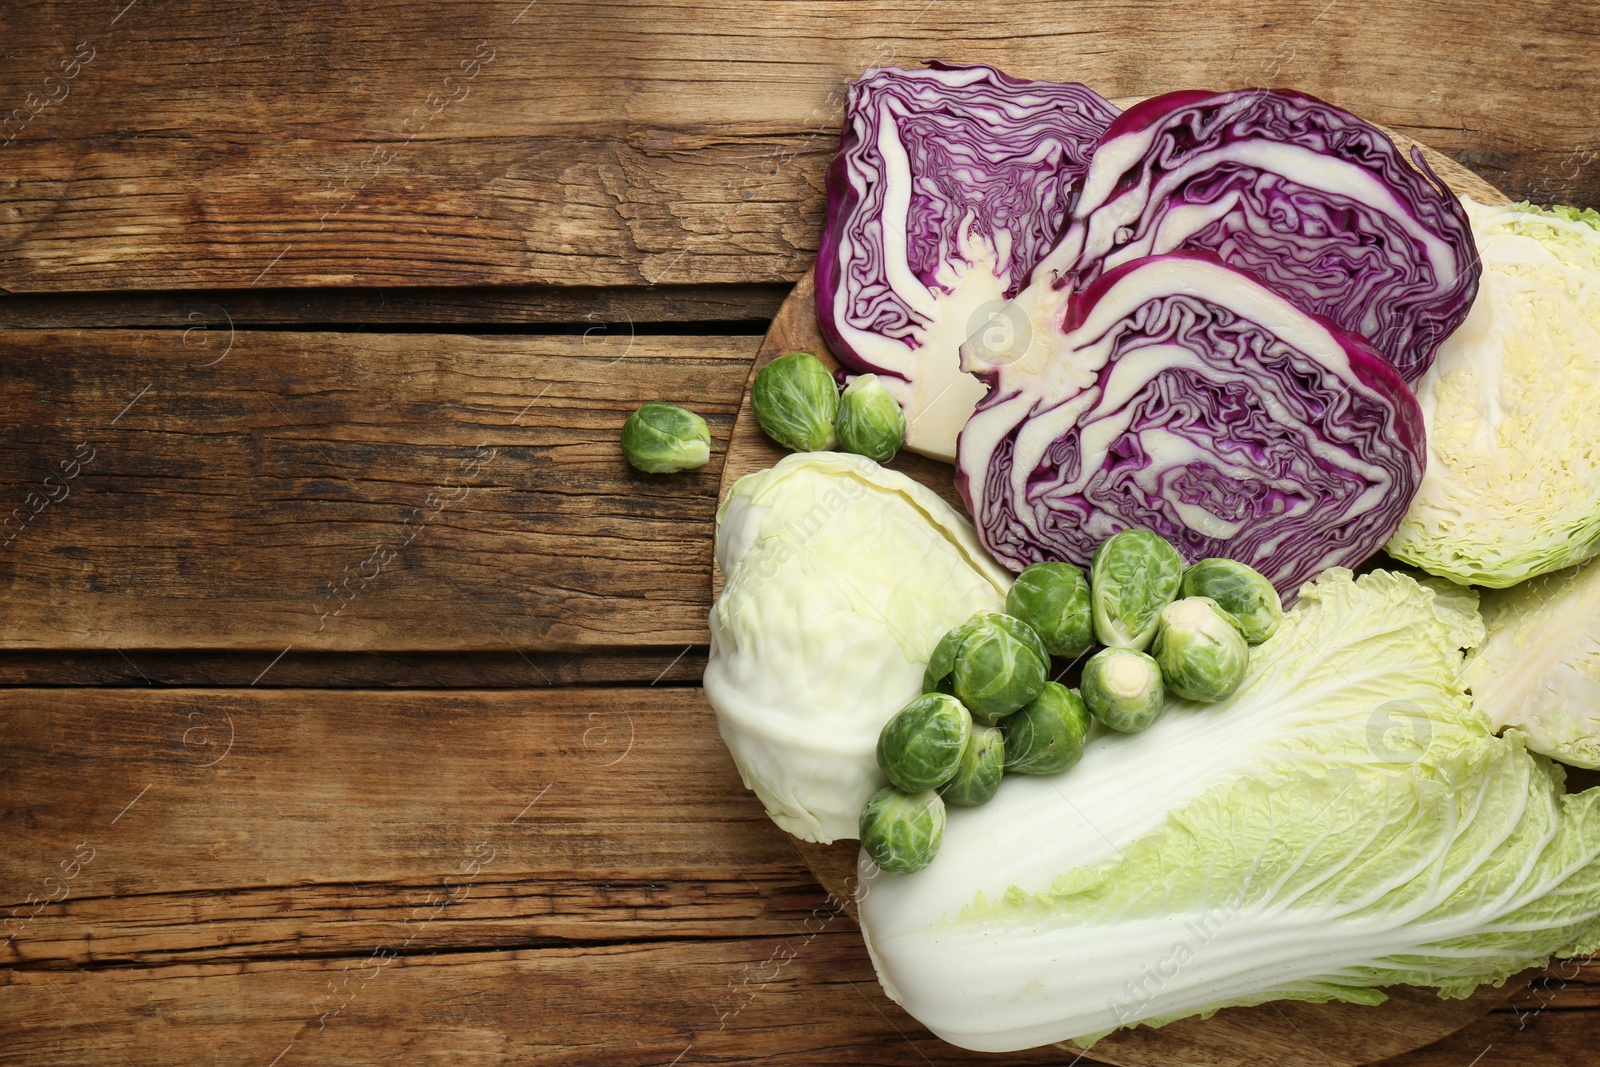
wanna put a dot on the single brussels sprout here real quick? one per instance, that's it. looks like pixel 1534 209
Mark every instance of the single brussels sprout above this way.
pixel 1046 736
pixel 920 746
pixel 1241 591
pixel 1122 688
pixel 978 775
pixel 1201 653
pixel 1134 574
pixel 1053 599
pixel 1000 666
pixel 939 676
pixel 795 401
pixel 902 831
pixel 870 421
pixel 663 438
pixel 936 677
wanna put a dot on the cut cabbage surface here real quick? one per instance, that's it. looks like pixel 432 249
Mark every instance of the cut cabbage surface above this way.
pixel 1183 397
pixel 949 184
pixel 1539 668
pixel 1512 484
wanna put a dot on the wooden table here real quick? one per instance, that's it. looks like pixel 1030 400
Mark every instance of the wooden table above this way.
pixel 350 706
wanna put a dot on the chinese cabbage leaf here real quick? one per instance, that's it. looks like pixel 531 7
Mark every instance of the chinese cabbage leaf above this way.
pixel 1347 820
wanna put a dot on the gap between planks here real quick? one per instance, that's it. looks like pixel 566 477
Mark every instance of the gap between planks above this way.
pixel 673 667
pixel 729 309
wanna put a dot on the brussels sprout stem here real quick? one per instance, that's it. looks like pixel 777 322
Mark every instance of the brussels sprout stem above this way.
pixel 1190 612
pixel 1127 677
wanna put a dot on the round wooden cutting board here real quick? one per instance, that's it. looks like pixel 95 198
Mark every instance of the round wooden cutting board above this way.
pixel 1283 1033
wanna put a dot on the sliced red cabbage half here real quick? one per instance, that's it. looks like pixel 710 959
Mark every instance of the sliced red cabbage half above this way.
pixel 1315 202
pixel 1184 397
pixel 949 185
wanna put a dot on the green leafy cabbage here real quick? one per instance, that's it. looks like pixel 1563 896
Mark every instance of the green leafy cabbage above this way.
pixel 1347 820
pixel 839 579
pixel 1512 485
pixel 1539 668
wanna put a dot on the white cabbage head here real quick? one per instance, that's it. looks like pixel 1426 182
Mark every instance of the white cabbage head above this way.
pixel 1539 669
pixel 840 578
pixel 1512 485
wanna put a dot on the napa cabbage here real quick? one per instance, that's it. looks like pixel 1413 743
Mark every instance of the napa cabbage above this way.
pixel 1512 484
pixel 1346 821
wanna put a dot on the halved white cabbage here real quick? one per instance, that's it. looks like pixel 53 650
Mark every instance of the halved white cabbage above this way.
pixel 1539 669
pixel 1512 485
pixel 840 577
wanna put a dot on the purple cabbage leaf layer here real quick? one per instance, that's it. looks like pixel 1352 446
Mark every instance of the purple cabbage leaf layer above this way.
pixel 950 184
pixel 1318 204
pixel 1179 395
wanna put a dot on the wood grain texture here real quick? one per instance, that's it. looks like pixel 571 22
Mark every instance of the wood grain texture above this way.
pixel 589 311
pixel 354 670
pixel 802 1000
pixel 195 824
pixel 1558 1038
pixel 805 1000
pixel 295 144
pixel 426 492
pixel 288 902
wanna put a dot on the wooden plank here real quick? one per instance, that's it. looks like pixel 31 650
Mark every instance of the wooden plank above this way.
pixel 355 670
pixel 800 1000
pixel 1568 985
pixel 1507 1039
pixel 247 923
pixel 330 492
pixel 151 826
pixel 596 310
pixel 571 143
pixel 809 998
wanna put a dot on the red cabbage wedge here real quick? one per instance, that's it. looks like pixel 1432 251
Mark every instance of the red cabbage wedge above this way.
pixel 1319 205
pixel 1180 395
pixel 949 185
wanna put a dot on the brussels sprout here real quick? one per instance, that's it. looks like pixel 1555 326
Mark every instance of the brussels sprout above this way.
pixel 1241 591
pixel 920 747
pixel 902 831
pixel 795 401
pixel 1201 653
pixel 1046 737
pixel 1053 599
pixel 663 438
pixel 1122 688
pixel 978 775
pixel 1022 632
pixel 1134 574
pixel 939 677
pixel 1000 665
pixel 936 677
pixel 870 421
